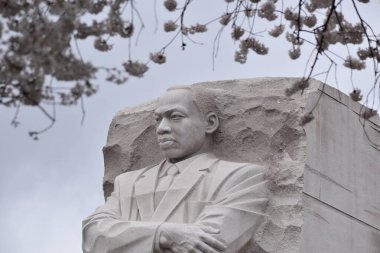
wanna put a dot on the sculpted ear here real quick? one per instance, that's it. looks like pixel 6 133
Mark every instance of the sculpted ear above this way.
pixel 212 121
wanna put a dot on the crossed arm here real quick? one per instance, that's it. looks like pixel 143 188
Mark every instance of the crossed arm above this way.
pixel 224 226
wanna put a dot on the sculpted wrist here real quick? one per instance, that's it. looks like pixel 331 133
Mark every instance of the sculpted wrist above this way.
pixel 161 240
pixel 157 243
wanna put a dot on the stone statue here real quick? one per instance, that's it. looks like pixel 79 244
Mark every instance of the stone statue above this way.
pixel 191 201
pixel 322 176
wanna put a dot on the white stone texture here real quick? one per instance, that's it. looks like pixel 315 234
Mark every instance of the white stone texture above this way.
pixel 341 178
pixel 325 177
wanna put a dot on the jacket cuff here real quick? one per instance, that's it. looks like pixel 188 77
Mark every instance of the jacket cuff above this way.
pixel 156 241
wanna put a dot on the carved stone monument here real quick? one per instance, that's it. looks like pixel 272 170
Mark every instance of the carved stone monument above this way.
pixel 323 178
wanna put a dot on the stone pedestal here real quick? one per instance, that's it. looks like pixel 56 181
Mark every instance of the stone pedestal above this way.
pixel 324 176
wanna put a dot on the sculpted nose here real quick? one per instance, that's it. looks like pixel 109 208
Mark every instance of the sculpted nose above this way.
pixel 163 127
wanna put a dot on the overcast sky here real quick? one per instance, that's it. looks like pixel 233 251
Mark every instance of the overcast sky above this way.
pixel 48 186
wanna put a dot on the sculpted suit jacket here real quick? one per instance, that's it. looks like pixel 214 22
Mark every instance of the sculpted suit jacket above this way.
pixel 225 195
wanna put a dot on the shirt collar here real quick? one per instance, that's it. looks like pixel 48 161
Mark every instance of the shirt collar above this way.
pixel 182 165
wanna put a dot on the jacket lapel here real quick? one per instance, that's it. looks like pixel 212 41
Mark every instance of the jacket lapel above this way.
pixel 126 192
pixel 144 191
pixel 182 186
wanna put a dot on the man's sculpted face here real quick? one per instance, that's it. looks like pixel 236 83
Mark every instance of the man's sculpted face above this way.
pixel 181 128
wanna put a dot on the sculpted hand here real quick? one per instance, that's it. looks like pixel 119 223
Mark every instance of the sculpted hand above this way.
pixel 186 238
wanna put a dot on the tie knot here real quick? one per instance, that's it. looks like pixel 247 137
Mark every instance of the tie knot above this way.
pixel 173 170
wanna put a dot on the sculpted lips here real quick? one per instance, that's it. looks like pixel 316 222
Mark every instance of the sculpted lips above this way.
pixel 165 142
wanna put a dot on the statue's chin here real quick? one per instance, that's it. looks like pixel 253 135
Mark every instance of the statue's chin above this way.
pixel 174 154
pixel 169 153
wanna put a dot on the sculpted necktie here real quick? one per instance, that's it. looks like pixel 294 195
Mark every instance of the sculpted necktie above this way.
pixel 164 183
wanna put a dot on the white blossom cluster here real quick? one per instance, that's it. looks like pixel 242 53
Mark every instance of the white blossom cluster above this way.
pixel 356 95
pixel 170 5
pixel 39 39
pixel 170 26
pixel 249 43
pixel 368 113
pixel 354 63
pixel 297 22
pixel 369 52
pixel 295 52
pixel 158 58
pixel 76 92
pixel 197 28
pixel 306 118
pixel 116 76
pixel 135 68
pixel 313 5
pixel 267 11
pixel 102 45
pixel 237 32
pixel 297 86
pixel 277 30
pixel 225 19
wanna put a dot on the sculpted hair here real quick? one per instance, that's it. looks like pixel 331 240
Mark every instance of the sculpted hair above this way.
pixel 203 98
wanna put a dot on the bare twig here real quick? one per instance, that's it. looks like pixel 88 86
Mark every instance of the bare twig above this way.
pixel 182 26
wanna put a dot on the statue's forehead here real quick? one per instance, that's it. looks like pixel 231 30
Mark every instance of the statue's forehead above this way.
pixel 171 108
pixel 176 99
pixel 172 96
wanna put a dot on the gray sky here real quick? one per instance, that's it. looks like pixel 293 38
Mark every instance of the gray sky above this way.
pixel 48 186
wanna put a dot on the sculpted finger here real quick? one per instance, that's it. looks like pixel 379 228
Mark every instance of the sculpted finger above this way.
pixel 213 242
pixel 204 248
pixel 196 250
pixel 210 230
pixel 187 249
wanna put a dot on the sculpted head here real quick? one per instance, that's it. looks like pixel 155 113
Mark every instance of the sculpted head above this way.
pixel 186 120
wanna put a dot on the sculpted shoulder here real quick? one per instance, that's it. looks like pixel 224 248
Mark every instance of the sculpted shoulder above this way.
pixel 134 173
pixel 249 168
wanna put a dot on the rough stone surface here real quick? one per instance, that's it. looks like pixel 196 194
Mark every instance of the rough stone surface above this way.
pixel 317 173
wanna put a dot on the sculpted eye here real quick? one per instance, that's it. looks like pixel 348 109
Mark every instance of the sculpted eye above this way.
pixel 176 116
pixel 157 118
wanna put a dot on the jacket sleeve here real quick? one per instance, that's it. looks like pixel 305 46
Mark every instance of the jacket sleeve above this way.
pixel 238 208
pixel 106 232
